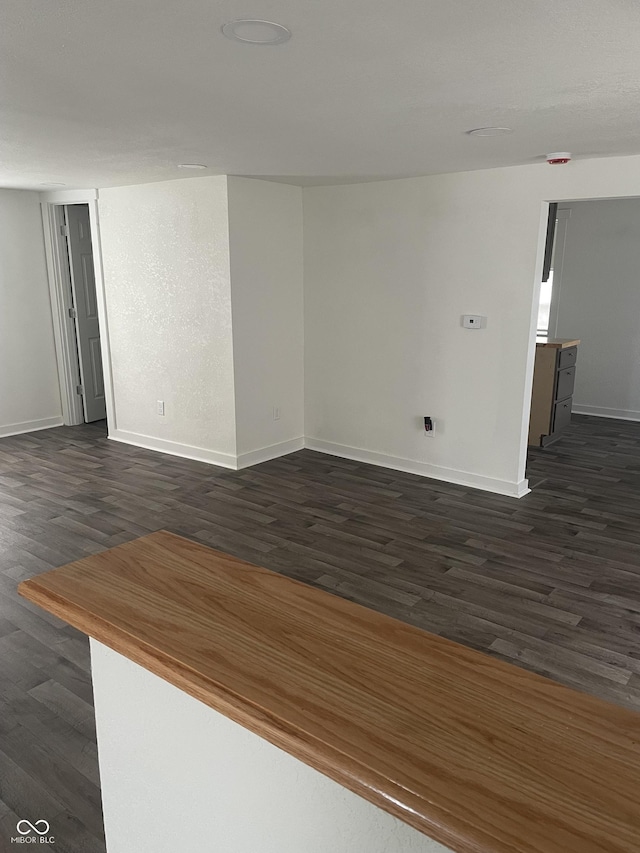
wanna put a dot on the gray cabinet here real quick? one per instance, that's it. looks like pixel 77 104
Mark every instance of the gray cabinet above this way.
pixel 565 382
pixel 552 396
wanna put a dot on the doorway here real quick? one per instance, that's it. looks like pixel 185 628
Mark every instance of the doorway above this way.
pixel 85 325
pixel 555 357
pixel 78 307
pixel 586 386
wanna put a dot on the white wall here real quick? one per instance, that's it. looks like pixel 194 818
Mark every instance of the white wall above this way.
pixel 265 239
pixel 599 302
pixel 29 390
pixel 203 281
pixel 389 268
pixel 165 249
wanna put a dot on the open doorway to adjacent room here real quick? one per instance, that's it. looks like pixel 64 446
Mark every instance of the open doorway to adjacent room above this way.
pixel 76 311
pixel 85 328
pixel 586 385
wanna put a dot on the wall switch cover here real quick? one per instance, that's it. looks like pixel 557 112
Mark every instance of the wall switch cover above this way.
pixel 473 321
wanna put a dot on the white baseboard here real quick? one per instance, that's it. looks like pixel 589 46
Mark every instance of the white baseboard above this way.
pixel 423 469
pixel 30 426
pixel 264 454
pixel 273 451
pixel 174 448
pixel 605 412
pixel 201 454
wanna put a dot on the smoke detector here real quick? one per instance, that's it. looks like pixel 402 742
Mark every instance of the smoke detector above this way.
pixel 558 158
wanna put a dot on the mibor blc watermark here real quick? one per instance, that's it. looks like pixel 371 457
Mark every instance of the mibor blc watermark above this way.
pixel 33 833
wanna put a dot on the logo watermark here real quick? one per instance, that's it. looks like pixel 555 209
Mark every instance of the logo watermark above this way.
pixel 33 833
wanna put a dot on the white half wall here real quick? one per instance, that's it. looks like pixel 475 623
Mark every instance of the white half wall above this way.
pixel 178 776
pixel 265 241
pixel 390 267
pixel 599 302
pixel 29 389
pixel 165 249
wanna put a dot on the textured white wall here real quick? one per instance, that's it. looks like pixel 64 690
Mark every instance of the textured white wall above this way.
pixel 389 268
pixel 265 233
pixel 599 302
pixel 29 390
pixel 177 775
pixel 165 250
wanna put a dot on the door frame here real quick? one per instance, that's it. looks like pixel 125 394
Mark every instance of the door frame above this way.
pixel 52 204
pixel 562 223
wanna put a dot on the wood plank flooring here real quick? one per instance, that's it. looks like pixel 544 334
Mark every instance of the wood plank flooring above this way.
pixel 402 717
pixel 550 582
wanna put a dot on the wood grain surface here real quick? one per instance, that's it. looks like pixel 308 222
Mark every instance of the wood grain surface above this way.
pixel 478 754
pixel 557 343
pixel 542 396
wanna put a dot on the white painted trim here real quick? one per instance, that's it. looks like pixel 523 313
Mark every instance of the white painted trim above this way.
pixel 562 224
pixel 423 469
pixel 174 448
pixel 30 426
pixel 68 196
pixel 520 489
pixel 60 290
pixel 264 454
pixel 531 354
pixel 606 412
pixel 273 451
pixel 60 297
pixel 103 321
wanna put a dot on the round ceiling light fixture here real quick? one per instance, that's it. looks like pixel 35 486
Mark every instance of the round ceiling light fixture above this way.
pixel 254 31
pixel 191 166
pixel 489 131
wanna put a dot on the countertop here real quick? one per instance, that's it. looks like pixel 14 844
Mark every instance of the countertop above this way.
pixel 557 343
pixel 475 753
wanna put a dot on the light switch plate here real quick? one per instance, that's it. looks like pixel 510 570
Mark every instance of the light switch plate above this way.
pixel 473 321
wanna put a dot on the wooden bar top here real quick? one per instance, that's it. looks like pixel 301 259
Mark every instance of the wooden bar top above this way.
pixel 475 753
pixel 557 343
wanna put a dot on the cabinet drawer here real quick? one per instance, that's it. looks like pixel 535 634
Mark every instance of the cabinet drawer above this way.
pixel 561 415
pixel 564 385
pixel 568 357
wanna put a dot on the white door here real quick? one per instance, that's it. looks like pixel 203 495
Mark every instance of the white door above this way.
pixel 85 304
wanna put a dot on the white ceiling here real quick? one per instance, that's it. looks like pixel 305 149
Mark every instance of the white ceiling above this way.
pixel 108 92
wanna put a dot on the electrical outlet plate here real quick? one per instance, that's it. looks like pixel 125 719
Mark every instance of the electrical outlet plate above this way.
pixel 160 407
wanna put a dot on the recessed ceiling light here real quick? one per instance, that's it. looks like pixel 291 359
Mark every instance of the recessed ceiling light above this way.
pixel 191 166
pixel 253 31
pixel 53 184
pixel 489 131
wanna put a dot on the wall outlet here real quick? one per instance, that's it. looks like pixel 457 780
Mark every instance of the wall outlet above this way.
pixel 160 407
pixel 429 425
pixel 276 413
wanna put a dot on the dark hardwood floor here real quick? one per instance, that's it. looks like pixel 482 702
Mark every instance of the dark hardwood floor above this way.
pixel 550 582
